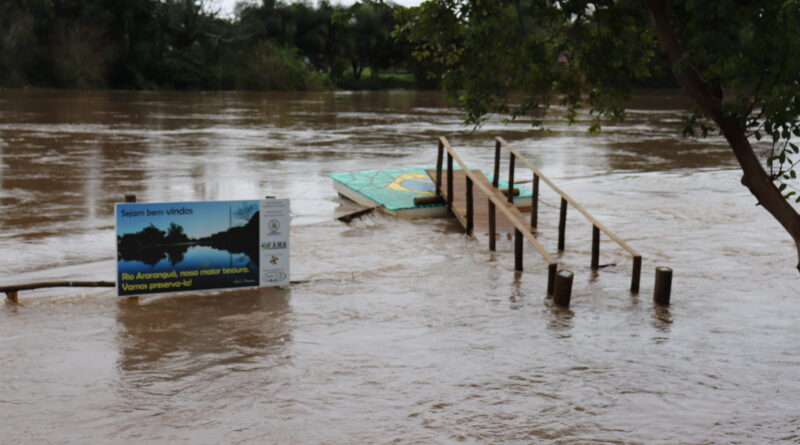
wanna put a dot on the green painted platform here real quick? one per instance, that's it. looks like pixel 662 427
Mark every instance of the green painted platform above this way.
pixel 395 190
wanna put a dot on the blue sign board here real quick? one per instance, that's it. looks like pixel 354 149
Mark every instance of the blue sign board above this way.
pixel 192 246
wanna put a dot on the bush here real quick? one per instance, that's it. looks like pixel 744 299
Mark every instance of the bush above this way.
pixel 269 67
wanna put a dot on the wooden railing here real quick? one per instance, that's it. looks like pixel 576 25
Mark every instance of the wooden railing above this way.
pixel 11 291
pixel 597 227
pixel 521 229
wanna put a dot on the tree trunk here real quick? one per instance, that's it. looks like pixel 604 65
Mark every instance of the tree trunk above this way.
pixel 357 68
pixel 755 178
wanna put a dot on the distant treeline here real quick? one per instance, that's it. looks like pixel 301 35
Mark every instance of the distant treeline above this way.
pixel 181 44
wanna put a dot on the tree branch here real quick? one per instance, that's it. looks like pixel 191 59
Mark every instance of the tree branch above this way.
pixel 755 177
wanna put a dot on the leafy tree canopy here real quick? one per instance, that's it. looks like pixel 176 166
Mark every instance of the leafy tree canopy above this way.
pixel 181 44
pixel 736 60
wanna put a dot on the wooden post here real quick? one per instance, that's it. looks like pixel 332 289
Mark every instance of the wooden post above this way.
pixel 12 296
pixel 449 181
pixel 663 286
pixel 129 301
pixel 551 277
pixel 637 273
pixel 439 158
pixel 595 247
pixel 130 198
pixel 562 225
pixel 492 209
pixel 470 210
pixel 563 288
pixel 511 178
pixel 535 202
pixel 492 227
pixel 517 250
pixel 496 177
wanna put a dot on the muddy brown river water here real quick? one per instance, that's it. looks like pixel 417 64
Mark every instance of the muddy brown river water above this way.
pixel 401 331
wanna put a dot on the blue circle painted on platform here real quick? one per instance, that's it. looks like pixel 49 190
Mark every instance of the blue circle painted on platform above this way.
pixel 418 185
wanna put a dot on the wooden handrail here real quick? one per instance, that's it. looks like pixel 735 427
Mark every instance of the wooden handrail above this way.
pixel 565 198
pixel 569 199
pixel 29 286
pixel 499 204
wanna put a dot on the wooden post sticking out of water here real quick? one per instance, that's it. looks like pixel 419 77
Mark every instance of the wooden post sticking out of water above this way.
pixel 595 247
pixel 535 202
pixel 563 288
pixel 492 210
pixel 517 250
pixel 562 225
pixel 12 296
pixel 449 181
pixel 439 158
pixel 470 210
pixel 492 227
pixel 551 278
pixel 663 286
pixel 637 273
pixel 496 177
pixel 511 178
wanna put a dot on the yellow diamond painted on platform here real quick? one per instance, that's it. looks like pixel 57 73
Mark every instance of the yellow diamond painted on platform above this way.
pixel 412 182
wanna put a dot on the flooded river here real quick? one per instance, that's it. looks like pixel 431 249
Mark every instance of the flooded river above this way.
pixel 399 331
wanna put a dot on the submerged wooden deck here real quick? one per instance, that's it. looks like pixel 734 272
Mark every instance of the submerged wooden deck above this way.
pixel 481 203
pixel 481 206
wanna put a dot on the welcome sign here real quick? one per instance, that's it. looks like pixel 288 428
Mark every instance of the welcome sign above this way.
pixel 192 246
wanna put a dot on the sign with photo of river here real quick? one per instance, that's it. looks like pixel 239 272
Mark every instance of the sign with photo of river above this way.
pixel 192 246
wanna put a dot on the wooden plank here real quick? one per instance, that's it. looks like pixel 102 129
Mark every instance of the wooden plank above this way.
pixel 12 291
pixel 568 198
pixel 480 207
pixel 29 286
pixel 597 226
pixel 358 214
pixel 524 228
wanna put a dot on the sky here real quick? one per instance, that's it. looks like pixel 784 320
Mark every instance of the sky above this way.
pixel 206 218
pixel 226 6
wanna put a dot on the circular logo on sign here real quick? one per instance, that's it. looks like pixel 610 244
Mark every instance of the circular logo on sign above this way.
pixel 274 225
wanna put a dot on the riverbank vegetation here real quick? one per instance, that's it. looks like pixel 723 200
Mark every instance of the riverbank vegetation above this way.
pixel 182 44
